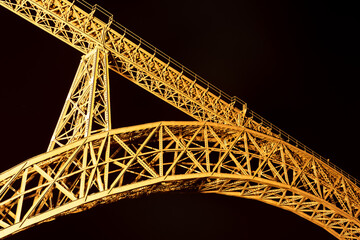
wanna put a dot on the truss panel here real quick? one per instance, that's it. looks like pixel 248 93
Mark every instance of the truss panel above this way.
pixel 87 107
pixel 169 156
pixel 164 79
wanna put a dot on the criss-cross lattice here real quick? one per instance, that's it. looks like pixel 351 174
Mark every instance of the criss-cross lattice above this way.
pixel 229 150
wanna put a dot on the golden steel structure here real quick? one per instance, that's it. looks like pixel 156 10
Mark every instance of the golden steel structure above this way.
pixel 87 107
pixel 230 150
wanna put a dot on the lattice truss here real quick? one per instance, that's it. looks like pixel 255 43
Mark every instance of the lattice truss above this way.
pixel 226 152
pixel 83 31
pixel 168 156
pixel 87 107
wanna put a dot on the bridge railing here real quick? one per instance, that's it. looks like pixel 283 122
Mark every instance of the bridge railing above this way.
pixel 239 103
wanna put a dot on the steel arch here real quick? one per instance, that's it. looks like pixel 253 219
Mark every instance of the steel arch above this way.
pixel 168 156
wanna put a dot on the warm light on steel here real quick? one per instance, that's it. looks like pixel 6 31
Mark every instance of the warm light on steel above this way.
pixel 87 107
pixel 229 150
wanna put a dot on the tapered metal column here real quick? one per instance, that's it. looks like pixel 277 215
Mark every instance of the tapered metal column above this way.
pixel 87 106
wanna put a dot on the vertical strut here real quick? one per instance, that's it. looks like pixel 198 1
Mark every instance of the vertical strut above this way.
pixel 87 106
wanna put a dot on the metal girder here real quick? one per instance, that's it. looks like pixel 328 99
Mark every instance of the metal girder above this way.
pixel 196 156
pixel 81 30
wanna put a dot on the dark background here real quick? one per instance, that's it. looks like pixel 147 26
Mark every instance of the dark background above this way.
pixel 293 62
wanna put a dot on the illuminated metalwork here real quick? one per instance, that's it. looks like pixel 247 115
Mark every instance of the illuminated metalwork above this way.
pixel 167 156
pixel 230 150
pixel 87 107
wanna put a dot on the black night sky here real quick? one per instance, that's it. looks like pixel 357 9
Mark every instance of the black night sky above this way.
pixel 293 62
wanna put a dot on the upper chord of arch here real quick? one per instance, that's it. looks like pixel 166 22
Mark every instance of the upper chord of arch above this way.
pixel 169 156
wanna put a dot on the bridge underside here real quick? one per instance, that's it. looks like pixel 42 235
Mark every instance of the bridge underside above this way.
pixel 170 156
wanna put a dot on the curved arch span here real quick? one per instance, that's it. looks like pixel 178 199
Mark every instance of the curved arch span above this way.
pixel 168 156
